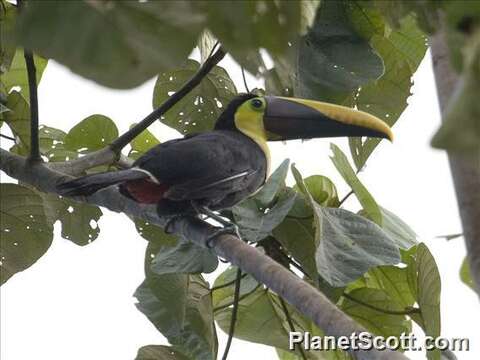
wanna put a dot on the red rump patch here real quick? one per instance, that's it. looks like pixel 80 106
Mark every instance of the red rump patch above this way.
pixel 146 191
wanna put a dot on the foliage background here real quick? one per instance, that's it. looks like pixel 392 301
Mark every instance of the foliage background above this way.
pixel 50 311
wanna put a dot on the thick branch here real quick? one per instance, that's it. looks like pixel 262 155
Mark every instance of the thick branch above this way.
pixel 304 297
pixel 208 65
pixel 32 87
pixel 465 168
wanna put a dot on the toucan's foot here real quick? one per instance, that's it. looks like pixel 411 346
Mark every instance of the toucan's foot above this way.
pixel 168 225
pixel 231 229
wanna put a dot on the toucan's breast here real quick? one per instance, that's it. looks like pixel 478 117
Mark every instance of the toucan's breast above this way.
pixel 145 191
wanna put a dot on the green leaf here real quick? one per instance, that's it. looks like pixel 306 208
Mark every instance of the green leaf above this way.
pixel 92 133
pixel 8 15
pixel 377 322
pixel 428 290
pixel 394 282
pixel 347 245
pixel 223 295
pixel 26 232
pixel 245 27
pixel 397 229
pixel 402 51
pixel 142 143
pixel 79 220
pixel 465 274
pixel 159 352
pixel 273 185
pixel 366 200
pixel 180 307
pixel 18 118
pixel 322 189
pixel 16 76
pixel 136 39
pixel 198 110
pixel 256 223
pixel 333 59
pixel 185 257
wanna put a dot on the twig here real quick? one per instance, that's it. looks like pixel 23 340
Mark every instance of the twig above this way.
pixel 290 324
pixel 7 137
pixel 233 319
pixel 227 284
pixel 128 136
pixel 345 198
pixel 244 80
pixel 32 87
pixel 408 311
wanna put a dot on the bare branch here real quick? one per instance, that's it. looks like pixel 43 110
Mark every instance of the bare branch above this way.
pixel 465 168
pixel 301 295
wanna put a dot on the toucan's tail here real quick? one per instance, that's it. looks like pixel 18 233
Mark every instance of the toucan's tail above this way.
pixel 87 185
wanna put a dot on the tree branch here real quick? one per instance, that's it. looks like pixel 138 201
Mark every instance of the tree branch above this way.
pixel 208 65
pixel 32 87
pixel 301 295
pixel 465 169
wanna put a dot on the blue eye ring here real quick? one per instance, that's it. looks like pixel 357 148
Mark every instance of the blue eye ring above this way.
pixel 257 104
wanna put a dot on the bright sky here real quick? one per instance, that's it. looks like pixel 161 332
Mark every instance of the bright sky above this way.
pixel 77 303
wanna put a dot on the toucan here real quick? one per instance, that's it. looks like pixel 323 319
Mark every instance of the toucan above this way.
pixel 215 170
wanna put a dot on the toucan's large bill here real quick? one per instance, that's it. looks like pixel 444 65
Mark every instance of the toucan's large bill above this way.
pixel 291 118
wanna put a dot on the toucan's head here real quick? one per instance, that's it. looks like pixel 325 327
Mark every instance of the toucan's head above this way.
pixel 271 118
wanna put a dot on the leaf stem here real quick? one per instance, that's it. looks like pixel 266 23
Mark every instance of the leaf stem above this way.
pixel 412 310
pixel 128 136
pixel 32 87
pixel 233 320
pixel 233 302
pixel 227 284
pixel 290 324
pixel 7 137
pixel 345 198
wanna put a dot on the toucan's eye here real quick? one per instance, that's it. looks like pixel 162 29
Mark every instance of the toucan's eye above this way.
pixel 257 104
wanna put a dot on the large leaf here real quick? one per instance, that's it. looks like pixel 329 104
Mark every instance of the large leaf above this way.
pixel 18 118
pixel 245 27
pixel 401 52
pixel 92 133
pixel 428 290
pixel 25 231
pixel 119 44
pixel 8 15
pixel 333 59
pixel 224 287
pixel 377 322
pixel 273 185
pixel 322 189
pixel 142 143
pixel 198 110
pixel 180 307
pixel 364 197
pixel 159 352
pixel 79 220
pixel 185 257
pixel 257 223
pixel 16 76
pixel 347 244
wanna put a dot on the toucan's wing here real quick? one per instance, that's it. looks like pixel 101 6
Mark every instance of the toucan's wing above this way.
pixel 206 166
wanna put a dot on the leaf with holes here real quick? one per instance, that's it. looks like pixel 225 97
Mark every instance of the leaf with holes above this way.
pixel 180 307
pixel 364 197
pixel 198 110
pixel 79 220
pixel 136 39
pixel 25 230
pixel 92 133
pixel 401 52
pixel 16 76
pixel 142 143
